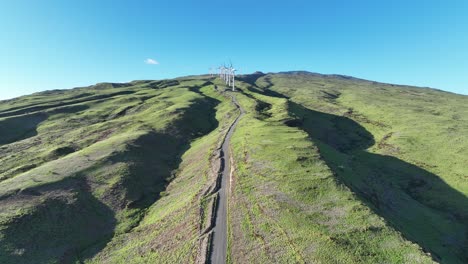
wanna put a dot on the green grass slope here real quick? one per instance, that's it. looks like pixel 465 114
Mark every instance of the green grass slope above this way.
pixel 393 169
pixel 328 169
pixel 81 167
pixel 170 230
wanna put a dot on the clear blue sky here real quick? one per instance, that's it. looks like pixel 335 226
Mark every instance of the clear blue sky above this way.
pixel 64 44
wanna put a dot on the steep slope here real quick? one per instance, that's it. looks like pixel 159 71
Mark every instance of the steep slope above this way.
pixel 399 150
pixel 82 166
pixel 177 228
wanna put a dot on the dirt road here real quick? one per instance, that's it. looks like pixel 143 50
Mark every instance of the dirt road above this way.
pixel 219 242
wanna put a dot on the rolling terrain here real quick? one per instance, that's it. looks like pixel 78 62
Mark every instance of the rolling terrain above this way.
pixel 325 169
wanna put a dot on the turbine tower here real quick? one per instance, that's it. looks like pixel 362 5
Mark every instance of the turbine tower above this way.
pixel 221 72
pixel 230 74
pixel 233 79
pixel 226 73
pixel 229 70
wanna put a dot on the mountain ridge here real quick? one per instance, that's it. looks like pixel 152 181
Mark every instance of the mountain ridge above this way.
pixel 291 72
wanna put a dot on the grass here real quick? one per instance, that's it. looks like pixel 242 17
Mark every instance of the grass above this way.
pixel 171 227
pixel 371 137
pixel 411 171
pixel 104 160
pixel 288 206
pixel 329 169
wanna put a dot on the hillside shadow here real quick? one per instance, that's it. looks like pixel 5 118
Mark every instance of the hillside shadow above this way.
pixel 67 221
pixel 151 159
pixel 154 157
pixel 73 225
pixel 414 201
pixel 201 120
pixel 251 78
pixel 18 128
pixel 54 104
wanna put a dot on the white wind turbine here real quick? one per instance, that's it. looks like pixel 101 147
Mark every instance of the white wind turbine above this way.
pixel 229 72
pixel 226 74
pixel 233 79
pixel 221 72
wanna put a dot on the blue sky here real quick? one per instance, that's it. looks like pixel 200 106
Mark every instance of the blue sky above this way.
pixel 64 44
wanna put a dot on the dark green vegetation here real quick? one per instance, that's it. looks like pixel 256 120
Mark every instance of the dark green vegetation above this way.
pixel 329 169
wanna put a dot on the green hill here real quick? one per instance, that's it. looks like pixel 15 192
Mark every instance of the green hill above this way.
pixel 328 169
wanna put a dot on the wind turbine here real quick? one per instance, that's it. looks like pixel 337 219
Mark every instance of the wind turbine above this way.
pixel 221 72
pixel 230 73
pixel 226 74
pixel 233 79
pixel 228 82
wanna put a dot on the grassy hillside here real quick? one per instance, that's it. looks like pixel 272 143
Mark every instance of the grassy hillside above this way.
pixel 346 170
pixel 328 169
pixel 170 230
pixel 82 166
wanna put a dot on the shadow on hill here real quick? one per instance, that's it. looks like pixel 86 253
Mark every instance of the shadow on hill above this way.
pixel 251 78
pixel 151 158
pixel 17 128
pixel 154 157
pixel 54 104
pixel 262 108
pixel 416 202
pixel 70 224
pixel 69 219
pixel 201 118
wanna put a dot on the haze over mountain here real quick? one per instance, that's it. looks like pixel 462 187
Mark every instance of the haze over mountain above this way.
pixel 325 169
